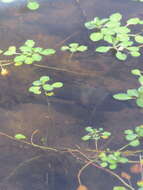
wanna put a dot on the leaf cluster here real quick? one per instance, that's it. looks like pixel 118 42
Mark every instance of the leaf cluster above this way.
pixel 74 47
pixel 27 53
pixel 118 36
pixel 111 160
pixel 43 85
pixel 134 136
pixel 136 94
pixel 95 134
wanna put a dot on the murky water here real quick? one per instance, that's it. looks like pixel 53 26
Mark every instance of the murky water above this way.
pixel 86 99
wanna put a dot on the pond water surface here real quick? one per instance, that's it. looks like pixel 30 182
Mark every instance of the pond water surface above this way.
pixel 90 80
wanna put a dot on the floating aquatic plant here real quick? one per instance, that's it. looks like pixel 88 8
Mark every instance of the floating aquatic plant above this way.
pixel 33 5
pixel 116 36
pixel 136 94
pixel 43 85
pixel 28 53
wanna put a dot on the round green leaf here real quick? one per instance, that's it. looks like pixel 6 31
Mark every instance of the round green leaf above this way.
pixel 64 48
pixel 35 89
pixel 133 21
pixel 28 60
pixel 36 57
pixel 103 49
pixel 44 79
pixel 57 85
pixel 116 17
pixel 140 79
pixel 96 36
pixel 48 52
pixel 82 48
pixel 130 137
pixel 33 5
pixel 37 83
pixel 86 138
pixel 119 188
pixel 30 43
pixel 136 72
pixel 104 164
pixel 135 143
pixel 139 39
pixel 132 92
pixel 128 132
pixel 121 56
pixel 139 102
pixel 122 96
pixel 20 136
pixel 135 53
pixel 113 166
pixel 19 58
pixel 48 87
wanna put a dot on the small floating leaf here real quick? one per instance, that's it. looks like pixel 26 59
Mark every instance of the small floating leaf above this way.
pixel 139 39
pixel 122 96
pixel 139 102
pixel 119 188
pixel 33 5
pixel 121 56
pixel 48 52
pixel 136 72
pixel 96 36
pixel 135 143
pixel 20 136
pixel 57 85
pixel 103 49
pixel 30 43
pixel 44 79
pixel 133 21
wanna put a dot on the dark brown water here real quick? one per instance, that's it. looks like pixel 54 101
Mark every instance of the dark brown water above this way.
pixel 86 99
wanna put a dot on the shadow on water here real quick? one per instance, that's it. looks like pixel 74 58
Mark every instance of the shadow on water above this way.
pixel 89 80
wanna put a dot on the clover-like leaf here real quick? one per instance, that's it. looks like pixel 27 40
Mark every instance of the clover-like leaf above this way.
pixel 103 49
pixel 139 39
pixel 121 56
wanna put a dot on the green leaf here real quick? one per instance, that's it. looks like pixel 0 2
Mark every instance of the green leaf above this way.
pixel 139 39
pixel 20 58
pixel 123 30
pixel 82 48
pixel 57 85
pixel 48 87
pixel 11 51
pixel 135 143
pixel 130 137
pixel 113 166
pixel 135 53
pixel 108 38
pixel 96 36
pixel 26 49
pixel 136 72
pixel 35 89
pixel 103 49
pixel 119 188
pixel 18 64
pixel 140 79
pixel 48 52
pixel 37 83
pixel 122 96
pixel 44 79
pixel 89 129
pixel 86 138
pixel 30 43
pixel 33 5
pixel 106 133
pixel 74 45
pixel 64 48
pixel 133 21
pixel 132 92
pixel 20 136
pixel 116 17
pixel 139 102
pixel 38 49
pixel 36 57
pixel 28 60
pixel 128 132
pixel 104 164
pixel 121 56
